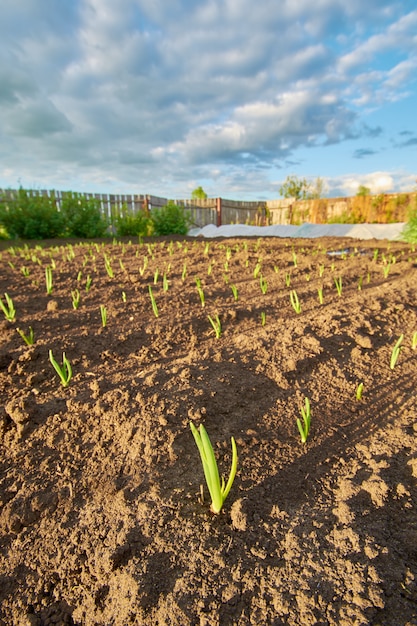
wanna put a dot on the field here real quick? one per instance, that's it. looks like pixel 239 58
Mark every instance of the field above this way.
pixel 103 518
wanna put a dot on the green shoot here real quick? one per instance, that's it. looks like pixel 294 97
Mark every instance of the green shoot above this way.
pixel 287 279
pixel 75 299
pixel 88 282
pixel 304 426
pixel 165 283
pixel 396 352
pixel 360 283
pixel 153 302
pixel 124 296
pixel 144 266
pixel 200 292
pixel 103 313
pixel 109 269
pixel 65 371
pixel 218 490
pixel 359 391
pixel 48 280
pixel 235 292
pixel 386 269
pixel 263 318
pixel 321 271
pixel 320 294
pixel 295 303
pixel 156 276
pixel 263 284
pixel 216 326
pixel 338 283
pixel 25 271
pixel 257 269
pixel 184 272
pixel 294 258
pixel 8 308
pixel 414 341
pixel 28 339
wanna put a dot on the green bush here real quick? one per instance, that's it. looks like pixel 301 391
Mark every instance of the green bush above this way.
pixel 128 224
pixel 82 216
pixel 410 231
pixel 171 219
pixel 30 217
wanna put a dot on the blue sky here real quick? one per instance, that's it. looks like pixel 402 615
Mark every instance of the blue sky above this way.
pixel 161 96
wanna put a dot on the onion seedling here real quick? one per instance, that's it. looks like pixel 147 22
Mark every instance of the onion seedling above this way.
pixel 263 318
pixel 109 269
pixel 165 284
pixel 8 308
pixel 153 302
pixel 75 299
pixel 48 280
pixel 304 426
pixel 235 292
pixel 396 352
pixel 200 292
pixel 295 303
pixel 386 269
pixel 257 269
pixel 338 283
pixel 287 279
pixel 359 391
pixel 414 341
pixel 88 282
pixel 320 294
pixel 263 284
pixel 184 272
pixel 65 371
pixel 216 326
pixel 103 313
pixel 28 339
pixel 218 490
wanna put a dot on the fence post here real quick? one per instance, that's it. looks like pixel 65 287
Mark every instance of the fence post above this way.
pixel 219 211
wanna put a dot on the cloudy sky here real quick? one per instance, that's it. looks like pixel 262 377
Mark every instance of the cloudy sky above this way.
pixel 161 96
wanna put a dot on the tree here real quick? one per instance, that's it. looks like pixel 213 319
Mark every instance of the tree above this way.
pixel 316 189
pixel 294 187
pixel 199 194
pixel 363 191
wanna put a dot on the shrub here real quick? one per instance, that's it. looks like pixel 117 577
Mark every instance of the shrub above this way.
pixel 410 231
pixel 30 217
pixel 170 220
pixel 129 224
pixel 82 216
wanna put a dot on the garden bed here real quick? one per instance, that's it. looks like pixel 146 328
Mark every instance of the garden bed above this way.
pixel 102 520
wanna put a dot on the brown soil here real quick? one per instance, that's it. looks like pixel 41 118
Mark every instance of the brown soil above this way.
pixel 102 521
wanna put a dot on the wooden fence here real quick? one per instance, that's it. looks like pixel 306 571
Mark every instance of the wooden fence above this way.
pixel 383 208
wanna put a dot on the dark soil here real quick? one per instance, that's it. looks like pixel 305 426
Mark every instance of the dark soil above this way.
pixel 102 520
